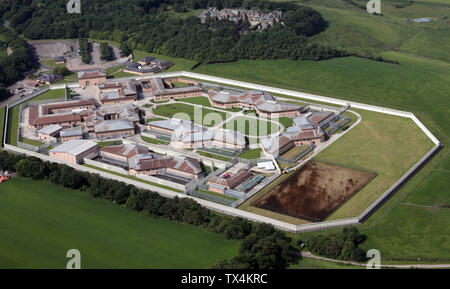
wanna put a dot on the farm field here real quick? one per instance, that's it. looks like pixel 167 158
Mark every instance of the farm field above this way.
pixel 386 145
pixel 40 221
pixel 314 191
pixel 188 112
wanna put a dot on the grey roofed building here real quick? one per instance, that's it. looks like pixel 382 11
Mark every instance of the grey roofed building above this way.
pixel 113 125
pixel 303 123
pixel 49 77
pixel 50 129
pixel 71 132
pixel 262 100
pixel 74 147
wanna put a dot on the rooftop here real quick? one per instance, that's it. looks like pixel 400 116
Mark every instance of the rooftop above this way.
pixel 75 147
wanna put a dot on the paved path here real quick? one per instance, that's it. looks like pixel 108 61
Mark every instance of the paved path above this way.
pixel 429 266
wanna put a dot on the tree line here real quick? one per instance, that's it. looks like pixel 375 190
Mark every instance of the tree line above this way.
pixel 156 26
pixel 262 246
pixel 14 65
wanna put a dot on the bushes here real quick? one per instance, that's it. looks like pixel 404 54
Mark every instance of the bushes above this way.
pixel 106 52
pixel 149 27
pixel 85 50
pixel 342 246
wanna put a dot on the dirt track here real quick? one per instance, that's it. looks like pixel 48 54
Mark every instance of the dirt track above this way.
pixel 315 191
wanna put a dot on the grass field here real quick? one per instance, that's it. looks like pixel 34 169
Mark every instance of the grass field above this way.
pixel 153 141
pixel 40 221
pixel 251 126
pixel 2 121
pixel 198 115
pixel 387 145
pixel 214 156
pixel 251 154
pixel 200 100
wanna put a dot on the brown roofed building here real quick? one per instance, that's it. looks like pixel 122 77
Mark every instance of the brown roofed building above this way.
pixel 117 92
pixel 91 77
pixel 220 184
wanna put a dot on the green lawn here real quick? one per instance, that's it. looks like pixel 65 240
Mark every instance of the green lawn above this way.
pixel 13 125
pixel 30 141
pixel 153 119
pixel 2 121
pixel 200 100
pixel 251 154
pixel 153 141
pixel 198 115
pixel 214 156
pixel 40 222
pixel 109 143
pixel 251 126
pixel 307 263
pixel 218 195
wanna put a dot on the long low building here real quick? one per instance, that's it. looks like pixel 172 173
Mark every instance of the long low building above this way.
pixel 303 132
pixel 185 134
pixel 160 92
pixel 264 103
pixel 65 114
pixel 116 128
pixel 117 92
pixel 74 151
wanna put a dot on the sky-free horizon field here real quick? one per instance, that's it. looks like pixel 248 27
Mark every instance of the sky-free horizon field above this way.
pixel 40 221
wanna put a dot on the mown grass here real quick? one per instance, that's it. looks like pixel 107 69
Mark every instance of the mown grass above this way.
pixel 153 141
pixel 251 126
pixel 200 100
pixel 2 121
pixel 214 156
pixel 202 116
pixel 251 154
pixel 40 222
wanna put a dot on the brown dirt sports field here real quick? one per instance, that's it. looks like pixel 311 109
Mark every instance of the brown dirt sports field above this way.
pixel 315 191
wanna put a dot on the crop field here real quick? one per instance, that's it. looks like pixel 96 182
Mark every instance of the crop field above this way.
pixel 40 221
pixel 314 191
pixel 198 115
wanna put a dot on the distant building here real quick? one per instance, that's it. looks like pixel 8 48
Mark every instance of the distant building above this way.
pixel 179 167
pixel 158 88
pixel 256 18
pixel 50 132
pixel 147 66
pixel 117 92
pixel 60 60
pixel 65 114
pixel 70 134
pixel 121 154
pixel 304 132
pixel 91 77
pixel 111 129
pixel 219 184
pixel 264 103
pixel 48 78
pixel 74 151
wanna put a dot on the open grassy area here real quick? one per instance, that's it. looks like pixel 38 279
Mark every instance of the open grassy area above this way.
pixel 213 156
pixel 200 100
pixel 153 141
pixel 133 178
pixel 13 125
pixel 2 120
pixel 307 263
pixel 109 143
pixel 251 126
pixel 198 115
pixel 251 154
pixel 384 144
pixel 40 222
pixel 218 195
pixel 30 141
